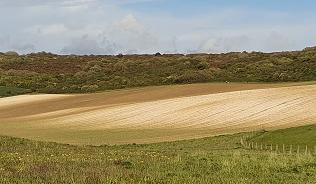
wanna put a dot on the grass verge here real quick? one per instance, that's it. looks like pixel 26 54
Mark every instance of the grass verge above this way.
pixel 299 138
pixel 209 160
pixel 305 135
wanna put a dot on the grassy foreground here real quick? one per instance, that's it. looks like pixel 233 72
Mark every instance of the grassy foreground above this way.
pixel 210 160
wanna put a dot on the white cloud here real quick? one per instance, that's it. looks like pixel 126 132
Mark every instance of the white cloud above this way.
pixel 125 2
pixel 276 41
pixel 47 30
pixel 127 35
pixel 26 47
pixel 7 45
pixel 17 3
pixel 225 44
pixel 86 45
pixel 129 23
pixel 109 27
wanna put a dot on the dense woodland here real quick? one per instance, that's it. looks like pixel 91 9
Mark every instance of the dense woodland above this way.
pixel 50 73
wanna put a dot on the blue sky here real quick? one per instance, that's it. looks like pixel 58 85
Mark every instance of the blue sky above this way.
pixel 181 7
pixel 149 26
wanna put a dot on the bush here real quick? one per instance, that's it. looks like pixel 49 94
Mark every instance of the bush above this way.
pixel 11 53
pixel 89 88
pixel 44 72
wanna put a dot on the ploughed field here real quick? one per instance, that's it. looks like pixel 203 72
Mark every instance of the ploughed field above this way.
pixel 156 114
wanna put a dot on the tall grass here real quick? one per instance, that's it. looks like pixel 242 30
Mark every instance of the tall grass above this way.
pixel 210 160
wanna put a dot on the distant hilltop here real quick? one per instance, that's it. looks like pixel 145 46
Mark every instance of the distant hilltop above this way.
pixel 51 73
pixel 14 53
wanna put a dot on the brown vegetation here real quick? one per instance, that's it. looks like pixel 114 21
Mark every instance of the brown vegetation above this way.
pixel 50 73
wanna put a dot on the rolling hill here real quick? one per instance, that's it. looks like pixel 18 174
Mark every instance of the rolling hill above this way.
pixel 51 73
pixel 157 114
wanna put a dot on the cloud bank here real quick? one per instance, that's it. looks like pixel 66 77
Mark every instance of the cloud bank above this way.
pixel 112 27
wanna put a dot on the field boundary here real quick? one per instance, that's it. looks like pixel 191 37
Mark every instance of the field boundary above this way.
pixel 279 148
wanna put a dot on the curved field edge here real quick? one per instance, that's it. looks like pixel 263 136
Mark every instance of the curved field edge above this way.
pixel 220 159
pixel 181 118
pixel 192 88
pixel 124 96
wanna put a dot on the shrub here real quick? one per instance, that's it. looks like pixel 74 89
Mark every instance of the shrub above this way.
pixel 89 88
pixel 11 53
pixel 44 71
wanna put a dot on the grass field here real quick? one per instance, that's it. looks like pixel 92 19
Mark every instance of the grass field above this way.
pixel 159 114
pixel 219 159
pixel 167 113
pixel 302 136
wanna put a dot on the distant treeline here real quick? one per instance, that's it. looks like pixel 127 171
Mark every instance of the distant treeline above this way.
pixel 50 73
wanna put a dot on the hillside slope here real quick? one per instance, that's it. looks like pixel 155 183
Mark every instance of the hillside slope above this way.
pixel 215 160
pixel 50 73
pixel 106 119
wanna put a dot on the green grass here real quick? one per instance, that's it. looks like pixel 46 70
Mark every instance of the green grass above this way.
pixel 12 91
pixel 219 159
pixel 294 140
pixel 298 136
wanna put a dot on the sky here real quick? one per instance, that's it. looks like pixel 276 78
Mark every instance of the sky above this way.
pixel 150 26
